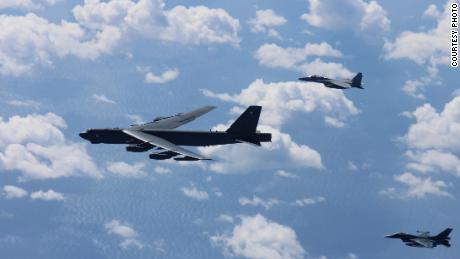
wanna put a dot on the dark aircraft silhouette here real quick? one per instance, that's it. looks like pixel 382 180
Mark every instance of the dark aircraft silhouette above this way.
pixel 159 134
pixel 423 239
pixel 355 82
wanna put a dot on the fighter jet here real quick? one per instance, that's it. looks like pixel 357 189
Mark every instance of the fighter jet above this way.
pixel 355 82
pixel 161 136
pixel 423 239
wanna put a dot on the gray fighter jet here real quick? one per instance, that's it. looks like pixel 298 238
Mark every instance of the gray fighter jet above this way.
pixel 423 239
pixel 355 82
pixel 160 134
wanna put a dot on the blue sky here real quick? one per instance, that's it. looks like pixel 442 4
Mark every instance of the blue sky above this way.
pixel 344 169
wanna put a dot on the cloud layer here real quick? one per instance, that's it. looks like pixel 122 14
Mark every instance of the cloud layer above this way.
pixel 259 237
pixel 35 147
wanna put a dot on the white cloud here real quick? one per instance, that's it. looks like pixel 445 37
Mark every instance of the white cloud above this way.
pixel 431 44
pixel 433 147
pixel 272 55
pixel 195 25
pixel 432 11
pixel 194 193
pixel 131 242
pixel 331 121
pixel 354 14
pixel 165 77
pixel 136 119
pixel 102 99
pixel 24 103
pixel 49 195
pixel 35 146
pixel 30 40
pixel 225 218
pixel 26 4
pixel 281 151
pixel 265 21
pixel 430 50
pixel 124 231
pixel 352 166
pixel 258 237
pixel 308 201
pixel 12 192
pixel 286 174
pixel 162 170
pixel 119 229
pixel 123 169
pixel 281 100
pixel 435 130
pixel 257 201
pixel 433 161
pixel 202 25
pixel 416 187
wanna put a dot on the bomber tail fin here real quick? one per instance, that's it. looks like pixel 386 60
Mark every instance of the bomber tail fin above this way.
pixel 356 81
pixel 244 128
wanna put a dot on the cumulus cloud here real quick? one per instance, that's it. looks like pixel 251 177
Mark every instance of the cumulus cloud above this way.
pixel 29 40
pixel 102 99
pixel 35 147
pixel 265 21
pixel 195 25
pixel 433 161
pixel 280 152
pixel 49 195
pixel 272 55
pixel 257 201
pixel 353 14
pixel 416 187
pixel 124 231
pixel 165 77
pixel 194 193
pixel 435 130
pixel 26 4
pixel 13 192
pixel 259 237
pixel 433 147
pixel 432 11
pixel 126 170
pixel 281 100
pixel 430 50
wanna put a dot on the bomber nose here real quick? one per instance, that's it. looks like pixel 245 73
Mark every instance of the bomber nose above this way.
pixel 83 135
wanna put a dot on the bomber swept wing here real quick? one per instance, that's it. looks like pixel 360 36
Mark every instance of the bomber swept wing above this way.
pixel 175 121
pixel 162 143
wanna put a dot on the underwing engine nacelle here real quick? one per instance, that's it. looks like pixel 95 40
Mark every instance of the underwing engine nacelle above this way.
pixel 162 155
pixel 138 148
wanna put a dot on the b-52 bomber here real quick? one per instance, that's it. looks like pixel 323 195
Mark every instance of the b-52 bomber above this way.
pixel 161 136
pixel 355 82
pixel 423 239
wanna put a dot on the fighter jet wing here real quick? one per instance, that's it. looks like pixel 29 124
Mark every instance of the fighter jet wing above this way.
pixel 423 242
pixel 339 83
pixel 162 143
pixel 174 121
